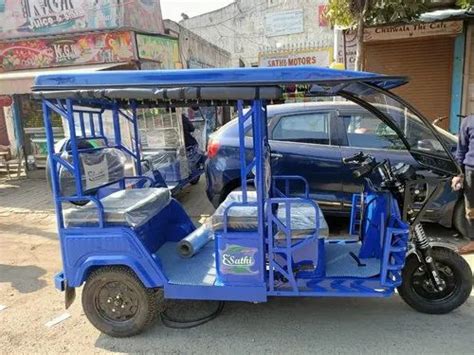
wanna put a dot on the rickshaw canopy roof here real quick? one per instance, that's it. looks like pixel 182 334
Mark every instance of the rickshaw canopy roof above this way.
pixel 216 77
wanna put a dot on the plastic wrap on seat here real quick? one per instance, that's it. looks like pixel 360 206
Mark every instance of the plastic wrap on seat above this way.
pixel 303 220
pixel 132 207
pixel 241 218
pixel 98 168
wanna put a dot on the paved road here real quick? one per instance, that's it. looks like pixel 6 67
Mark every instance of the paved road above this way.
pixel 29 258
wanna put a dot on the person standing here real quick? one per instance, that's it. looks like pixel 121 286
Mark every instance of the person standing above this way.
pixel 465 158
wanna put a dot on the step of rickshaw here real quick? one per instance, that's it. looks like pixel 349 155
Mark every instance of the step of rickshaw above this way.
pixel 336 287
pixel 198 270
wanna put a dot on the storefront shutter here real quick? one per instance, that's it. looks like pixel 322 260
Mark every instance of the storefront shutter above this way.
pixel 428 64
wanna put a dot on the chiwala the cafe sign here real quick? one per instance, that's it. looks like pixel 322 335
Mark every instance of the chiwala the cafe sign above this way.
pixel 319 57
pixel 416 30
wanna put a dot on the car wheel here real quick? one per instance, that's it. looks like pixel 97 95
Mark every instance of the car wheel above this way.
pixel 116 302
pixel 459 218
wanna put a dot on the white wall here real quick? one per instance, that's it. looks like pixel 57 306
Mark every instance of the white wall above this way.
pixel 196 49
pixel 240 28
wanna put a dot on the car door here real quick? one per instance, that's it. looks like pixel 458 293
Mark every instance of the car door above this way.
pixel 301 144
pixel 363 131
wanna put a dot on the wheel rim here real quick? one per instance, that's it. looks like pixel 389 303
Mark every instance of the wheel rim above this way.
pixel 117 302
pixel 423 286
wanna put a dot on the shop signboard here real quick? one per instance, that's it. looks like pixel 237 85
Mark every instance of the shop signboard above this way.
pixel 416 30
pixel 346 48
pixel 93 48
pixel 164 50
pixel 34 18
pixel 284 23
pixel 320 57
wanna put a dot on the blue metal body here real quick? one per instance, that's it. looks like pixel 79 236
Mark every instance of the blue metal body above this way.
pixel 332 184
pixel 244 265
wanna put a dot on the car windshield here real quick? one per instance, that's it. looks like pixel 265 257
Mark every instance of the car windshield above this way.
pixel 419 136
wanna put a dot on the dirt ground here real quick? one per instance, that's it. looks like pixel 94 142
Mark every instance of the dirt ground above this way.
pixel 29 259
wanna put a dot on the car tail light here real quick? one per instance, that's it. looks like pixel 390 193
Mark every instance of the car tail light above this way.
pixel 212 148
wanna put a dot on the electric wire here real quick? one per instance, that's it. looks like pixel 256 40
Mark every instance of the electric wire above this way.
pixel 187 324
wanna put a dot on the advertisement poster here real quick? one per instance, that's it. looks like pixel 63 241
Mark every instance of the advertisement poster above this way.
pixel 75 50
pixel 159 49
pixel 322 16
pixel 30 18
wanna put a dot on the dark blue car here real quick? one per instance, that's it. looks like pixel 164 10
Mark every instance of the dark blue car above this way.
pixel 311 139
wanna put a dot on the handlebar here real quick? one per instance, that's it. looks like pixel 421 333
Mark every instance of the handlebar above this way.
pixel 357 158
pixel 367 164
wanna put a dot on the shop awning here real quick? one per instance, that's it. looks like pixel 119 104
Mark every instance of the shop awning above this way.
pixel 21 81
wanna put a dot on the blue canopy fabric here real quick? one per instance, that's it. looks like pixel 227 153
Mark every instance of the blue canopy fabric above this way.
pixel 229 77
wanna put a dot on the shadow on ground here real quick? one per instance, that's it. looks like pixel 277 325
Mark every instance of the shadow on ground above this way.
pixel 25 279
pixel 25 195
pixel 305 325
pixel 19 229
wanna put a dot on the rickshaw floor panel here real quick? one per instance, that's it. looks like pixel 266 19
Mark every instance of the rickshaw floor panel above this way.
pixel 342 261
pixel 197 270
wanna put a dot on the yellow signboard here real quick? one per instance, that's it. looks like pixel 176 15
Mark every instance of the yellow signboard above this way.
pixel 164 50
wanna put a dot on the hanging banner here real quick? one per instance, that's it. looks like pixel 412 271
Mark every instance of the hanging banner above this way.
pixel 94 48
pixel 29 18
pixel 159 49
pixel 321 57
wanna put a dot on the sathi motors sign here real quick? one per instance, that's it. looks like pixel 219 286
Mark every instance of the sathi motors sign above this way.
pixel 319 57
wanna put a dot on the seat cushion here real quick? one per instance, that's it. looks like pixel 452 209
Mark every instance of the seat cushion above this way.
pixel 303 217
pixel 132 207
pixel 303 220
pixel 242 218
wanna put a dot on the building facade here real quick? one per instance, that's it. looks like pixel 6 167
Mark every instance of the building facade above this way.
pixel 433 53
pixel 39 36
pixel 269 33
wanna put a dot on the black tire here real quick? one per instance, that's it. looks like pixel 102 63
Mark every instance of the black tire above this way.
pixel 195 180
pixel 419 294
pixel 459 218
pixel 116 302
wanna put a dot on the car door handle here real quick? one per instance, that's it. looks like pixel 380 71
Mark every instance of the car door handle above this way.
pixel 276 155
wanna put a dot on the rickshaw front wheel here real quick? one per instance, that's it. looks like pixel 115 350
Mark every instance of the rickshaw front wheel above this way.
pixel 116 302
pixel 417 289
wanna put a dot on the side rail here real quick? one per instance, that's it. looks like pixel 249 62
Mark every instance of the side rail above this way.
pixel 96 201
pixel 275 225
pixel 286 179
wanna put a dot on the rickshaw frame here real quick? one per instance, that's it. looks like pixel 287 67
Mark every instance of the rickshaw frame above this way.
pixel 85 249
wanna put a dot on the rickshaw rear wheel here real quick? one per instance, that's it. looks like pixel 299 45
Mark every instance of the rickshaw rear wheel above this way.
pixel 418 291
pixel 117 303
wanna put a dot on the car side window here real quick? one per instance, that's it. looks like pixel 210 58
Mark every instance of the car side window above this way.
pixel 364 130
pixel 304 128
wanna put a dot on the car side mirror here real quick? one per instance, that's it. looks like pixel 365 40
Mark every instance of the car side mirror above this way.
pixel 425 144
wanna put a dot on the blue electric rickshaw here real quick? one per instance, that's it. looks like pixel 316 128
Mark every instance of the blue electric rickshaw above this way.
pixel 132 244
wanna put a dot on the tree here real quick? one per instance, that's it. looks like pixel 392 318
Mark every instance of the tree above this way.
pixel 357 14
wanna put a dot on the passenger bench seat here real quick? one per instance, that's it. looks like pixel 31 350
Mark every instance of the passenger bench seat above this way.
pixel 132 207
